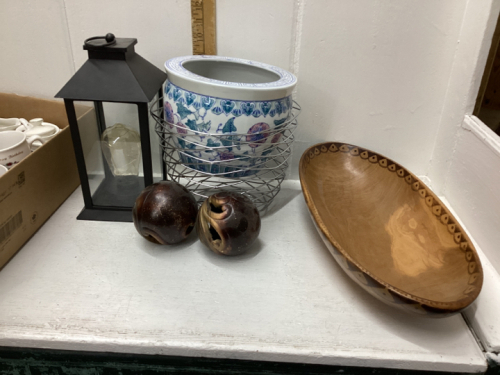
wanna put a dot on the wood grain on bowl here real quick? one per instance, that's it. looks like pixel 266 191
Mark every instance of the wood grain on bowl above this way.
pixel 388 231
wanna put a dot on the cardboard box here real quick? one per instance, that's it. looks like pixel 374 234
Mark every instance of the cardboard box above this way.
pixel 33 189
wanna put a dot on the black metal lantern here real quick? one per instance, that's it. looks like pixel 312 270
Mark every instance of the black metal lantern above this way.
pixel 121 86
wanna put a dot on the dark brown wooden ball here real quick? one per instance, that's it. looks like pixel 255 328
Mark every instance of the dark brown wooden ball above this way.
pixel 228 223
pixel 165 213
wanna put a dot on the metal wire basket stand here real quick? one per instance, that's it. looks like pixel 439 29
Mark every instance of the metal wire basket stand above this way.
pixel 256 173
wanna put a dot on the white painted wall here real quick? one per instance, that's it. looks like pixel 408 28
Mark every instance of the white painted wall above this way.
pixel 465 165
pixel 259 30
pixel 374 73
pixel 35 57
pixel 162 27
pixel 393 76
pixel 472 183
pixel 470 58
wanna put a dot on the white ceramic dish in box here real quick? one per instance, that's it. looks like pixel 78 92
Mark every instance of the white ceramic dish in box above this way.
pixel 230 105
pixel 45 130
pixel 15 146
pixel 8 124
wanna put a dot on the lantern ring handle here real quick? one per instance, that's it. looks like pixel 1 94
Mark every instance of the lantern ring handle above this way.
pixel 109 38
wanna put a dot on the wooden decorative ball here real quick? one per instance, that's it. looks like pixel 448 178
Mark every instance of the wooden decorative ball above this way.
pixel 165 213
pixel 228 223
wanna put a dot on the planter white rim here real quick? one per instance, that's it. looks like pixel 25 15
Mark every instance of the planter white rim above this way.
pixel 229 77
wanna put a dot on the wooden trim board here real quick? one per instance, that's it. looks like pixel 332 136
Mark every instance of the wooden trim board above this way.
pixel 203 27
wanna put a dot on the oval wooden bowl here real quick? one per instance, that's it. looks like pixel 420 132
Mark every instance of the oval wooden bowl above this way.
pixel 388 231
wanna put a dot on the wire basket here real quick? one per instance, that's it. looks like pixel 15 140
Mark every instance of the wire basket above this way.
pixel 205 163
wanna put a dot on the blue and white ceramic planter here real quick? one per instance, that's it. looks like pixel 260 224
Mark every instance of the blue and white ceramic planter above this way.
pixel 226 112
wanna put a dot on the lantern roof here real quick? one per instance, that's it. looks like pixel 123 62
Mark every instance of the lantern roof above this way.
pixel 114 73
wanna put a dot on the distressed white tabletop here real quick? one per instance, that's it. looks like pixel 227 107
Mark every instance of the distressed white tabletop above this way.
pixel 99 286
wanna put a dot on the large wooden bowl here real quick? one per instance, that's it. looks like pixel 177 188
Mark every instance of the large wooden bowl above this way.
pixel 388 231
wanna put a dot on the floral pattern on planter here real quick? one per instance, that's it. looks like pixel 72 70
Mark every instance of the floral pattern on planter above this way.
pixel 199 105
pixel 236 130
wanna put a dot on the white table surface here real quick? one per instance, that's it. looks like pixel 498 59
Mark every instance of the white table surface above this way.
pixel 99 286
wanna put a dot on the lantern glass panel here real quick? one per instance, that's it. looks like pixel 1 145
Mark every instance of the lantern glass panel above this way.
pixel 113 155
pixel 94 160
pixel 121 140
pixel 155 141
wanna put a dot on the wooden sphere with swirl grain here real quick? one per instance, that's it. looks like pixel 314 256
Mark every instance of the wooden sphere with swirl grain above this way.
pixel 228 223
pixel 165 213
